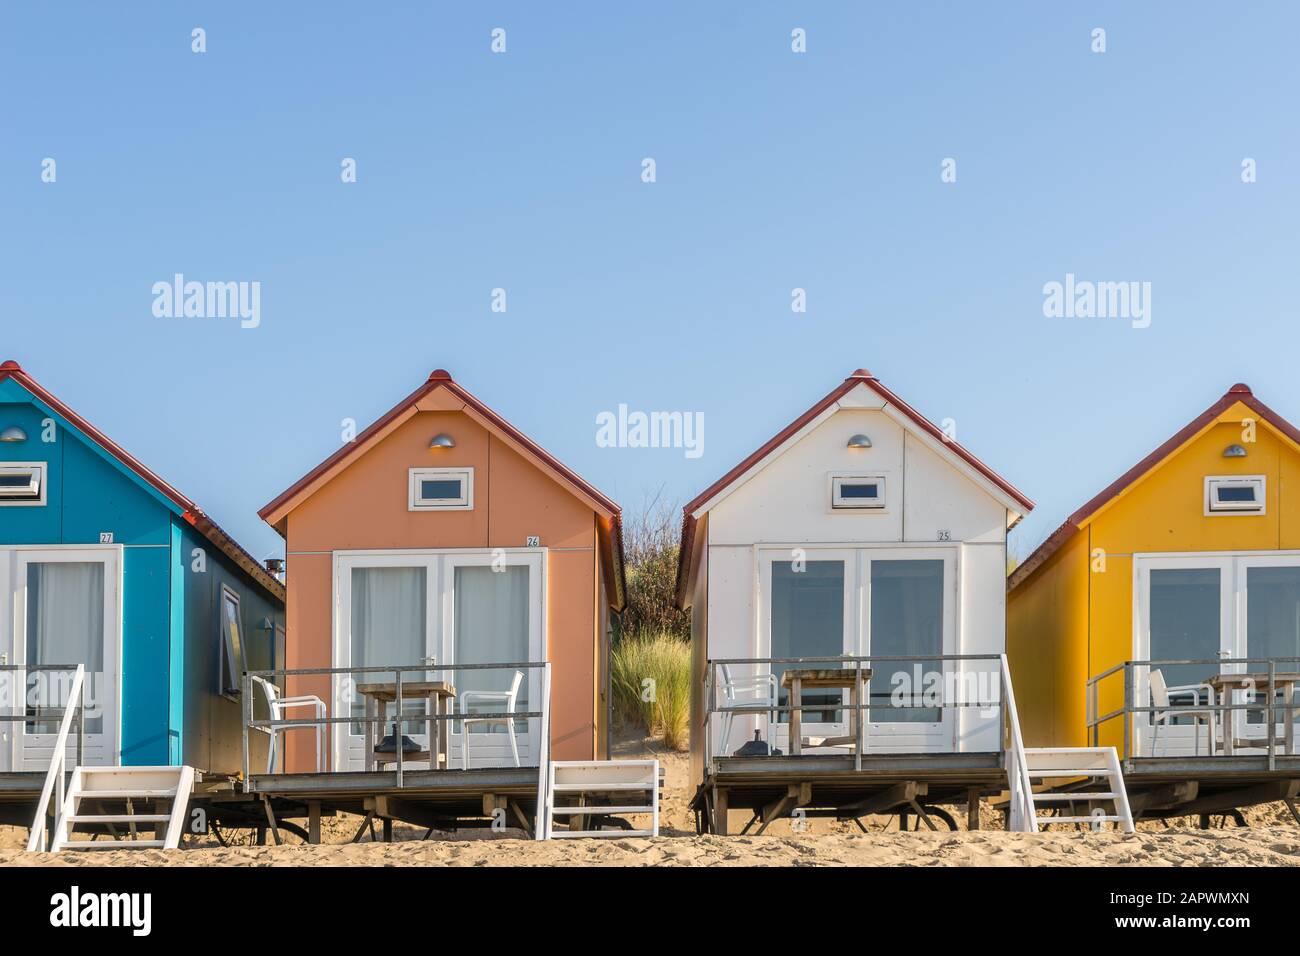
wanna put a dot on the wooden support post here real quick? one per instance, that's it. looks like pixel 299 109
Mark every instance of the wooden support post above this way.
pixel 972 809
pixel 720 812
pixel 1290 805
pixel 524 823
pixel 313 821
pixel 1168 797
pixel 796 795
pixel 388 829
pixel 900 794
pixel 270 819
pixel 356 836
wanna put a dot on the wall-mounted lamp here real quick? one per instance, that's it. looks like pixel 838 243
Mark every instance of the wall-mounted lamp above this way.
pixel 1234 451
pixel 13 433
pixel 442 441
pixel 859 441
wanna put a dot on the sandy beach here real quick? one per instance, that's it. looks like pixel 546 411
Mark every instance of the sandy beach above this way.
pixel 1271 839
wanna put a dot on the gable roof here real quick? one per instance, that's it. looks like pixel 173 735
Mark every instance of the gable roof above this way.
pixel 696 508
pixel 276 512
pixel 1238 393
pixel 185 507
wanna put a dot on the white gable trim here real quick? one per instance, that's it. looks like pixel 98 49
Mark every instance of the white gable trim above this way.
pixel 862 396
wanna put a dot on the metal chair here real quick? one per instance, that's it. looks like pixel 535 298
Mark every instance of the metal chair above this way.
pixel 278 706
pixel 506 698
pixel 1166 711
pixel 762 687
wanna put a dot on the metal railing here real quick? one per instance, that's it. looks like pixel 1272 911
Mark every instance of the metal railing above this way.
pixel 72 713
pixel 956 665
pixel 400 677
pixel 1136 684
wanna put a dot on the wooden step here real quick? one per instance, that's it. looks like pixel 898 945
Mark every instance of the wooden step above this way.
pixel 1098 819
pixel 124 794
pixel 1074 795
pixel 599 811
pixel 120 818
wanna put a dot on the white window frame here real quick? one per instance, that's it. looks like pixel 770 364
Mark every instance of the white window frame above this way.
pixel 42 471
pixel 1216 508
pixel 1233 567
pixel 880 737
pixel 464 503
pixel 439 565
pixel 875 505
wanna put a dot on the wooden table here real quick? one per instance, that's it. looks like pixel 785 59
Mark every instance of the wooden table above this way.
pixel 438 693
pixel 842 678
pixel 1225 684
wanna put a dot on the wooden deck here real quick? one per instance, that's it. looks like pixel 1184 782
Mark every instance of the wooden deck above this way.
pixel 442 799
pixel 830 785
pixel 1176 786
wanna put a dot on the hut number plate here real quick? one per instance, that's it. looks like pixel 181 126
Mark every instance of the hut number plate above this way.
pixel 533 541
pixel 106 537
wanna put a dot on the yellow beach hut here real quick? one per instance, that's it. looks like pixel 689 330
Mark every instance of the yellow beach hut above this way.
pixel 1163 617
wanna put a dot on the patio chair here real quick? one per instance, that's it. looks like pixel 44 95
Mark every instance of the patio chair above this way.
pixel 1167 711
pixel 278 706
pixel 763 699
pixel 506 698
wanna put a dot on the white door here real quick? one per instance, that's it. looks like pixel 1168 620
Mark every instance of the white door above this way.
pixel 64 609
pixel 909 608
pixel 809 609
pixel 1184 612
pixel 383 618
pixel 492 606
pixel 1269 627
pixel 440 608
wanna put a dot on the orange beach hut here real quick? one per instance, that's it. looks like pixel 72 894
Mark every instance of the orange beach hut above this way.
pixel 442 532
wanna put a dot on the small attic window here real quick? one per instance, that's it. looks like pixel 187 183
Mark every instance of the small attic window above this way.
pixel 441 489
pixel 857 492
pixel 22 483
pixel 1238 494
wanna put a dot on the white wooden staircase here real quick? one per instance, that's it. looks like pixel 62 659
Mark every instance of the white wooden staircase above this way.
pixel 125 802
pixel 1073 775
pixel 581 789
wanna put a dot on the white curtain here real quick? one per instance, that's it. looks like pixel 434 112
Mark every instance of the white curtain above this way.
pixel 491 627
pixel 65 625
pixel 388 625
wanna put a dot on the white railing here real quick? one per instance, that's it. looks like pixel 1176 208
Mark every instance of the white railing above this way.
pixel 54 777
pixel 1024 819
pixel 543 759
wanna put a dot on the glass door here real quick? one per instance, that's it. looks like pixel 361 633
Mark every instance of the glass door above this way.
pixel 910 610
pixel 384 619
pixel 65 611
pixel 493 615
pixel 1271 629
pixel 1185 607
pixel 439 608
pixel 809 605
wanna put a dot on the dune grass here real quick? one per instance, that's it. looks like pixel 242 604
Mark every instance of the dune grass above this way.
pixel 650 677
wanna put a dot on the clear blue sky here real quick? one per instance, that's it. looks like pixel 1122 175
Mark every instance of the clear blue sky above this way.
pixel 522 171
